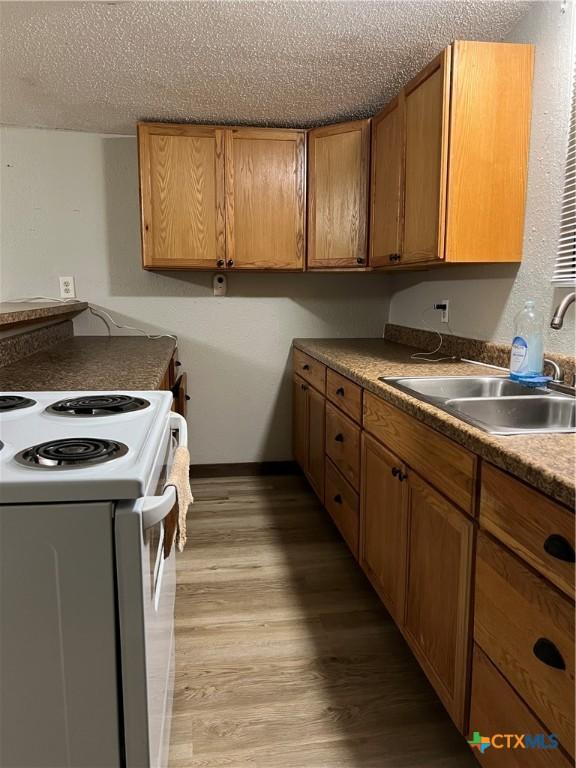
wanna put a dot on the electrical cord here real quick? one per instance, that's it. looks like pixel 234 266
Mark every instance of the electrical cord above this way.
pixel 425 355
pixel 105 316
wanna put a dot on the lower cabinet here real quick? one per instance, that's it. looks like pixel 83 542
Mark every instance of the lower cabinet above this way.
pixel 383 538
pixel 309 420
pixel 438 588
pixel 497 711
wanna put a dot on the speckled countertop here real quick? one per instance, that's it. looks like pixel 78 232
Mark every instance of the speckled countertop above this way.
pixel 544 461
pixel 19 312
pixel 91 362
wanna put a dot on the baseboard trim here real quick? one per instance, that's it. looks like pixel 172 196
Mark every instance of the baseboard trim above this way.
pixel 248 469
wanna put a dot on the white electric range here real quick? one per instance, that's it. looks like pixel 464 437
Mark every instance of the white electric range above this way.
pixel 86 591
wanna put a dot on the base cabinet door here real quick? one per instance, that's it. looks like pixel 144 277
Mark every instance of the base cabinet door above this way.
pixel 438 583
pixel 383 515
pixel 300 422
pixel 316 429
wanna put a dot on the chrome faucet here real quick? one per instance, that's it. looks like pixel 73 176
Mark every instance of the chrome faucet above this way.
pixel 558 319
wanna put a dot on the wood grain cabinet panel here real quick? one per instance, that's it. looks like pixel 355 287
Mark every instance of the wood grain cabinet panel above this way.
pixel 308 432
pixel 426 162
pixel 438 586
pixel 265 198
pixel 345 394
pixel 343 444
pixel 316 433
pixel 387 184
pixel 445 464
pixel 496 708
pixel 538 529
pixel 182 196
pixel 526 628
pixel 341 501
pixel 310 369
pixel 383 539
pixel 338 174
pixel 300 422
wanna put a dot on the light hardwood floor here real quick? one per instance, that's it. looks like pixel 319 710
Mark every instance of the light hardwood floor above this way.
pixel 285 657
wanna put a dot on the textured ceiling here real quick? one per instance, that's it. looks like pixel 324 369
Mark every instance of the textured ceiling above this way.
pixel 100 66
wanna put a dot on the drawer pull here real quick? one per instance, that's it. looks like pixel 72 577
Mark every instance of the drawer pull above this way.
pixel 560 548
pixel 395 471
pixel 304 386
pixel 338 499
pixel 339 437
pixel 305 367
pixel 548 654
pixel 340 391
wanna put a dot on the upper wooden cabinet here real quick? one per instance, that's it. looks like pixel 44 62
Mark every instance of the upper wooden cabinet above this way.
pixel 466 128
pixel 215 198
pixel 387 175
pixel 265 198
pixel 338 175
pixel 182 196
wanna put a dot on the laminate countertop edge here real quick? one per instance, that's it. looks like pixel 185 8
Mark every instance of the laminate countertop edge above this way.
pixel 545 462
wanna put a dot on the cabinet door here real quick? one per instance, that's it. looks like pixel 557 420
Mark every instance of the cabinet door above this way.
pixel 300 422
pixel 427 115
pixel 265 198
pixel 387 181
pixel 383 524
pixel 438 578
pixel 316 427
pixel 182 196
pixel 338 195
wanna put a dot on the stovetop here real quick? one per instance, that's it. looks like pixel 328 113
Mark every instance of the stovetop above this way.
pixel 80 446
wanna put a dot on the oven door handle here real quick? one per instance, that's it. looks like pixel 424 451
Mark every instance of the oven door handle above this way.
pixel 155 508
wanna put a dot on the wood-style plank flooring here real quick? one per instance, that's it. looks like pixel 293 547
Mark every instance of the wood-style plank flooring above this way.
pixel 285 657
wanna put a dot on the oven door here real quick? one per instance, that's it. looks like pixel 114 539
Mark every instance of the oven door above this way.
pixel 147 587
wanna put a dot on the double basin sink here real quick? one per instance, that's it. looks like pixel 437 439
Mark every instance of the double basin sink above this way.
pixel 495 404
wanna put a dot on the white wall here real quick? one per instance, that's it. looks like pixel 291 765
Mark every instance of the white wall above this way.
pixel 484 299
pixel 70 207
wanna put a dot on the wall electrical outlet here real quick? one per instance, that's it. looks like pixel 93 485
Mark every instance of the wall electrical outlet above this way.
pixel 444 307
pixel 67 288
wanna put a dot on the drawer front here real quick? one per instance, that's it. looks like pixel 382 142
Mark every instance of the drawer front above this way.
pixel 345 394
pixel 343 444
pixel 341 501
pixel 539 530
pixel 446 465
pixel 526 628
pixel 310 369
pixel 496 708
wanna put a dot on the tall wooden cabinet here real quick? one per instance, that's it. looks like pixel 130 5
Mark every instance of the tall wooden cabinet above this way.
pixel 222 198
pixel 465 122
pixel 338 176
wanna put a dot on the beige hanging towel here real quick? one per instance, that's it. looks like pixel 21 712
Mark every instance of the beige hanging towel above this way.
pixel 175 524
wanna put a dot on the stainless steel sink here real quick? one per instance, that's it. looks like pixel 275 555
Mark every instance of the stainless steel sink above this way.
pixel 494 404
pixel 448 387
pixel 518 415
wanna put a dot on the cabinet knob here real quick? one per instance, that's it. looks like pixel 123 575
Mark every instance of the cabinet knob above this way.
pixel 338 499
pixel 187 397
pixel 177 363
pixel 394 257
pixel 305 367
pixel 304 386
pixel 395 471
pixel 339 437
pixel 360 260
pixel 230 262
pixel 559 547
pixel 548 653
pixel 340 391
pixel 220 263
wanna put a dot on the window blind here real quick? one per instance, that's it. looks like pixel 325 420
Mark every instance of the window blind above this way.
pixel 565 268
